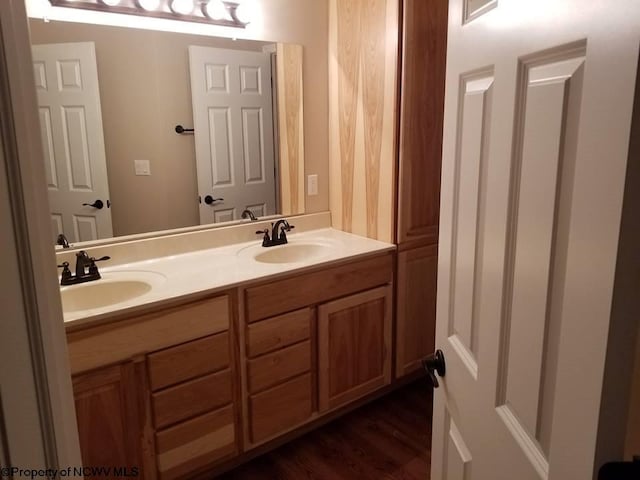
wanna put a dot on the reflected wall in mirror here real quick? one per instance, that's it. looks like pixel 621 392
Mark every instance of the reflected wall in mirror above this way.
pixel 110 99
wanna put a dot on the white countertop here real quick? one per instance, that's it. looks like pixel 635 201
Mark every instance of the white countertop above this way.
pixel 195 274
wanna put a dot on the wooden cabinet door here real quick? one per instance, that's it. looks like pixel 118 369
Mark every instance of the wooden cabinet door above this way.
pixel 113 422
pixel 416 307
pixel 354 346
pixel 424 49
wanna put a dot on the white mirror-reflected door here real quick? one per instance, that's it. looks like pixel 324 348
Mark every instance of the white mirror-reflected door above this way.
pixel 538 112
pixel 66 78
pixel 233 122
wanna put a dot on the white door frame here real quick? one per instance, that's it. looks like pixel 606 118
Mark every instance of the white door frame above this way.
pixel 39 424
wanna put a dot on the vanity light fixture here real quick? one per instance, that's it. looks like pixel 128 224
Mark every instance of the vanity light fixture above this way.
pixel 182 7
pixel 215 12
pixel 242 13
pixel 149 5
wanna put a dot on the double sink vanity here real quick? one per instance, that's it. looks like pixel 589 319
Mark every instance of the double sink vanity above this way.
pixel 185 363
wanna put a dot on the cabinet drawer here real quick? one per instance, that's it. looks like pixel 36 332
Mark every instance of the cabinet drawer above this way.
pixel 192 398
pixel 275 367
pixel 195 443
pixel 187 361
pixel 307 289
pixel 280 408
pixel 278 332
pixel 93 347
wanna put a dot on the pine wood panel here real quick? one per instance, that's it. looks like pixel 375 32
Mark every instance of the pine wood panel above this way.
pixel 280 408
pixel 275 367
pixel 354 346
pixel 291 127
pixel 424 49
pixel 363 42
pixel 196 443
pixel 189 399
pixel 311 288
pixel 415 307
pixel 106 344
pixel 373 24
pixel 113 425
pixel 278 332
pixel 189 360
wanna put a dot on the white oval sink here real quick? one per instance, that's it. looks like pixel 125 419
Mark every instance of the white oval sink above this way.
pixel 113 288
pixel 292 253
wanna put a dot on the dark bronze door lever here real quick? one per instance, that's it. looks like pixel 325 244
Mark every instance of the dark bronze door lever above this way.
pixel 99 204
pixel 435 364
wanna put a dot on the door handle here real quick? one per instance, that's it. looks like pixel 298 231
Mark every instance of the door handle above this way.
pixel 99 204
pixel 209 200
pixel 435 364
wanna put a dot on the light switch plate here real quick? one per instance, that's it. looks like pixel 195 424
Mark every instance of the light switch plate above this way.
pixel 312 185
pixel 143 167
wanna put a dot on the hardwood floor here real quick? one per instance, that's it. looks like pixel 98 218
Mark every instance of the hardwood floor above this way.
pixel 387 439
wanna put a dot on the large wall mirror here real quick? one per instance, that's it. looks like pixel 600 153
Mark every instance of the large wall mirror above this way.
pixel 110 99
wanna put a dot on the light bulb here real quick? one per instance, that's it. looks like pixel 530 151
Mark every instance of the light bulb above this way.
pixel 110 3
pixel 216 10
pixel 182 7
pixel 244 12
pixel 149 5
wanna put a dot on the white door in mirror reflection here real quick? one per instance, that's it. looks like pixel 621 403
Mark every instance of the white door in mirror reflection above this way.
pixel 71 127
pixel 233 121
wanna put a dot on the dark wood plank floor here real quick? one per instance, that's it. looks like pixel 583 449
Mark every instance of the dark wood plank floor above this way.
pixel 387 439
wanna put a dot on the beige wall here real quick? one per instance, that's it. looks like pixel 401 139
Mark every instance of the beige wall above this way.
pixel 166 199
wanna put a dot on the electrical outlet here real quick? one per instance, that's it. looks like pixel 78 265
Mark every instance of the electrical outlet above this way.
pixel 143 167
pixel 312 185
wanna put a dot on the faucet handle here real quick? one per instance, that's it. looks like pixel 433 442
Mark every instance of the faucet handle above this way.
pixel 66 273
pixel 93 268
pixel 265 239
pixel 284 227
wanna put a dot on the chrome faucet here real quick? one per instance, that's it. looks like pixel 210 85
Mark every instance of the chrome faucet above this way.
pixel 278 235
pixel 249 214
pixel 86 269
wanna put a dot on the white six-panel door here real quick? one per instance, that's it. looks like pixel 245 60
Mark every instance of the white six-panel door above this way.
pixel 233 121
pixel 537 123
pixel 71 126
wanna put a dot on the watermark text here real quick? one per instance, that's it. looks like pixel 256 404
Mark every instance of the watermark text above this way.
pixel 56 473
